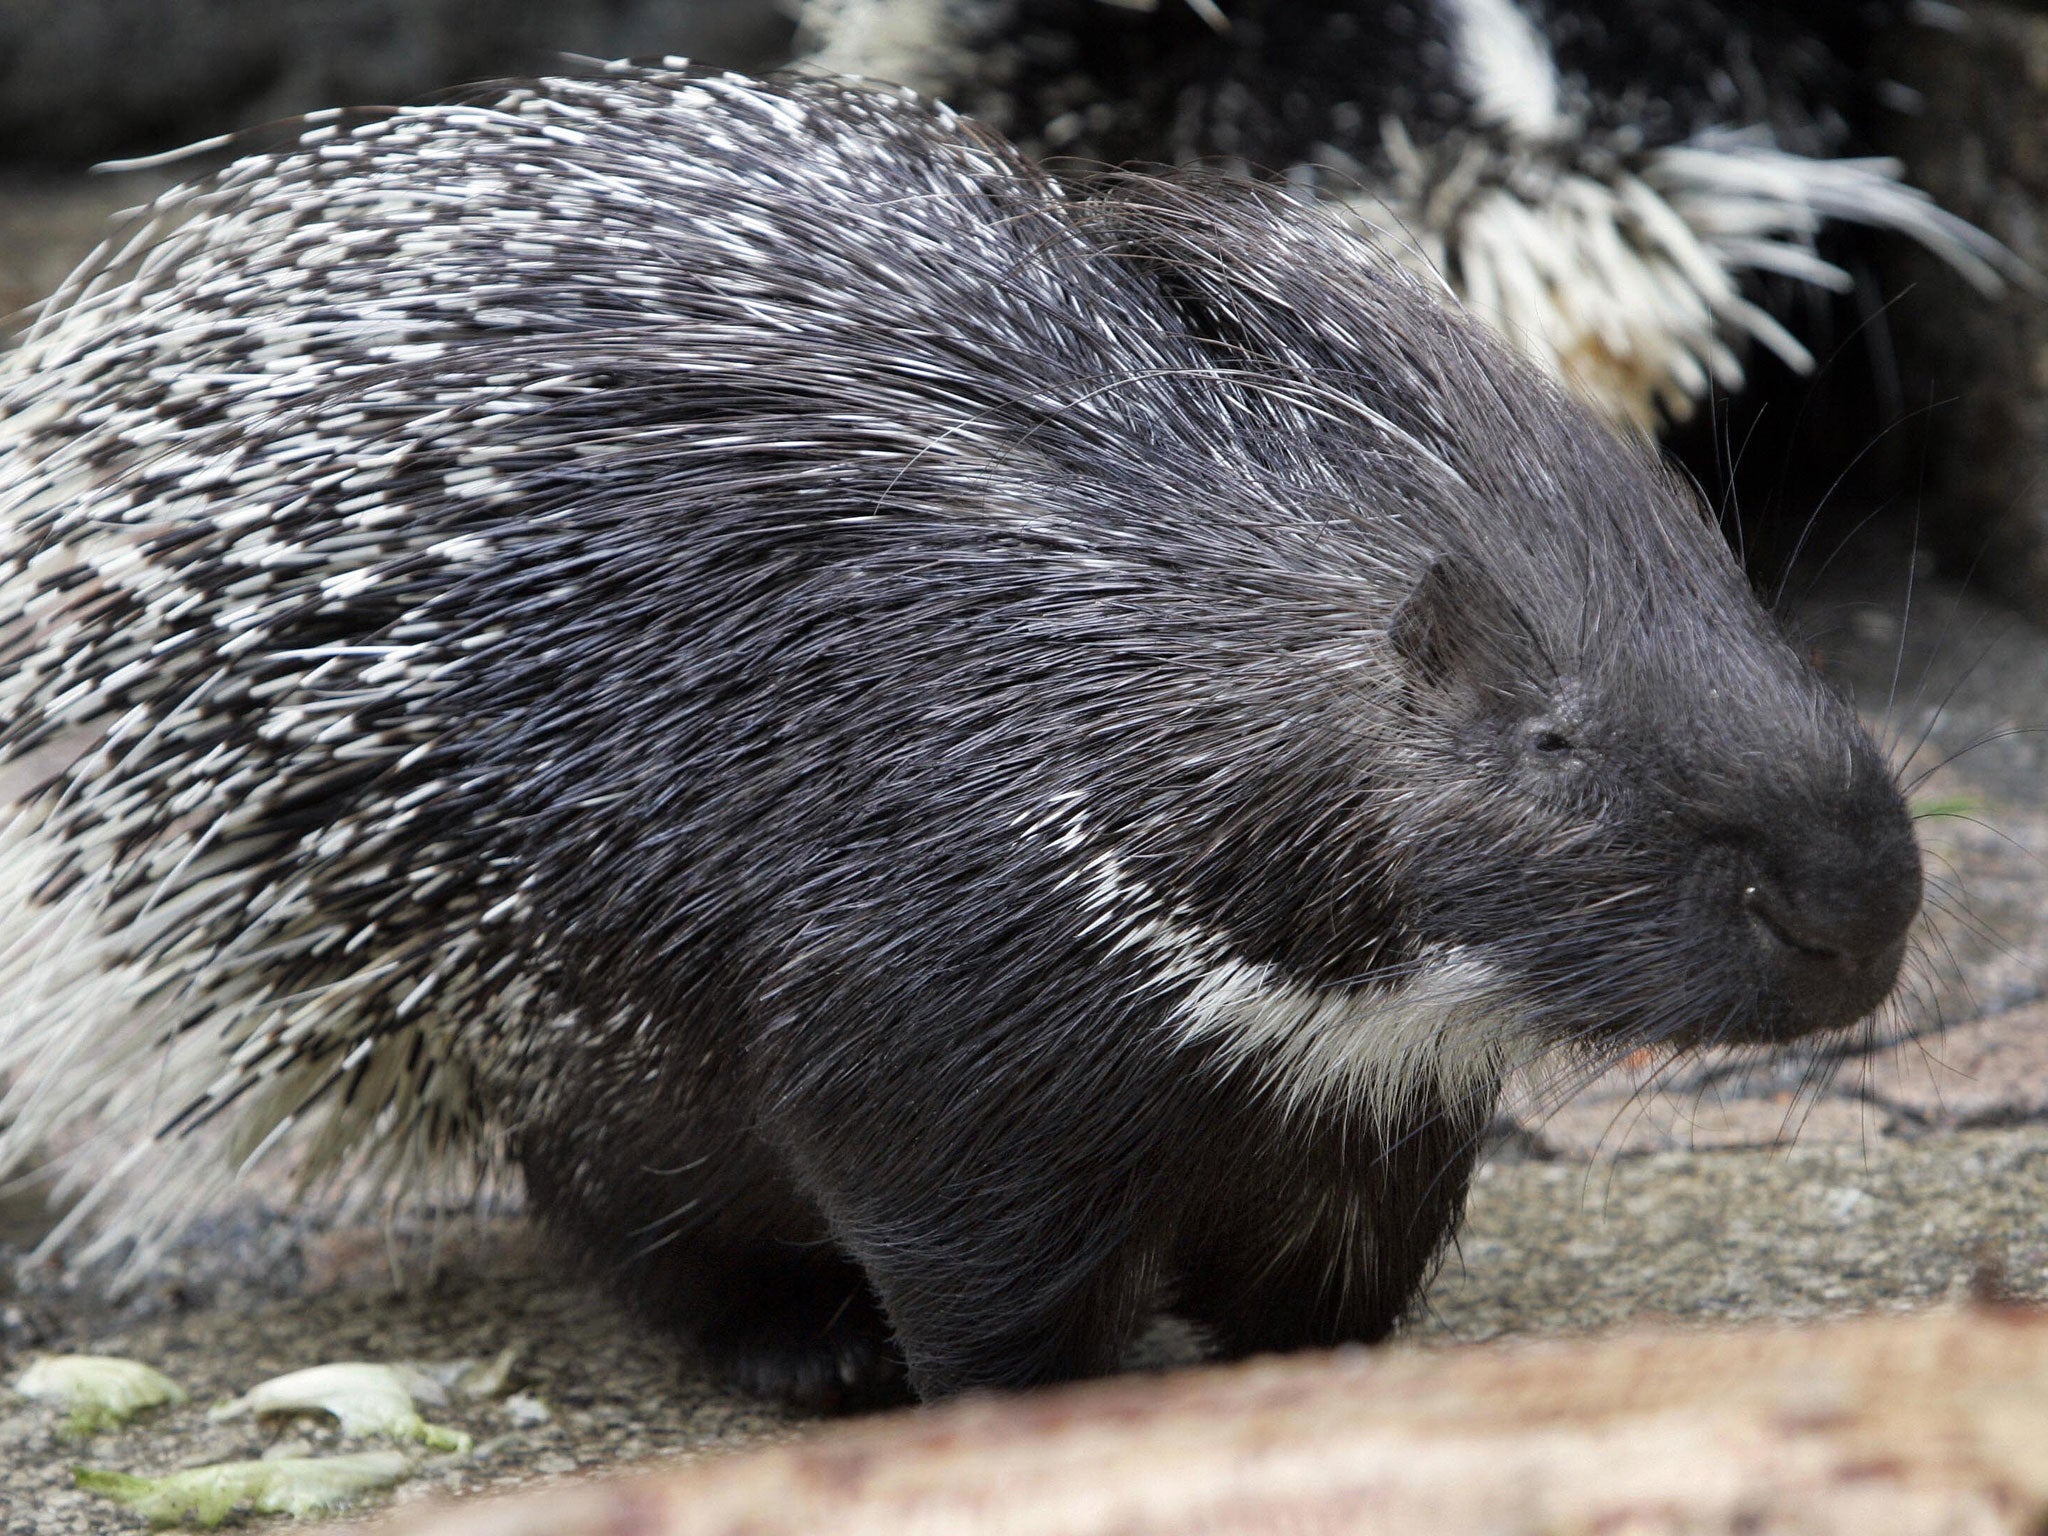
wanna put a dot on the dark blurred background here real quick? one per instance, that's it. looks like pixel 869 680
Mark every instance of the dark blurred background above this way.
pixel 85 80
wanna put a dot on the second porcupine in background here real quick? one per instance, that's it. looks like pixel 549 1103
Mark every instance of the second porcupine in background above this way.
pixel 1634 192
pixel 940 761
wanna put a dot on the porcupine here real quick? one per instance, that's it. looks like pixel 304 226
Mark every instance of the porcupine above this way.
pixel 1633 192
pixel 940 760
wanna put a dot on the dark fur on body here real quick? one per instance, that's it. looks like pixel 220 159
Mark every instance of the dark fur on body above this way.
pixel 888 674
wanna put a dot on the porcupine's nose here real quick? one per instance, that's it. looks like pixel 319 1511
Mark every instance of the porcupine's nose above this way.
pixel 1831 924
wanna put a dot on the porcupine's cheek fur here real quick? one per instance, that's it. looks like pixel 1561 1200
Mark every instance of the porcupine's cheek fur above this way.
pixel 1409 1028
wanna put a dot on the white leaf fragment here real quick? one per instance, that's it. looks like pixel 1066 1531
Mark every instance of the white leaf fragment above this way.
pixel 99 1391
pixel 205 1497
pixel 436 1383
pixel 364 1399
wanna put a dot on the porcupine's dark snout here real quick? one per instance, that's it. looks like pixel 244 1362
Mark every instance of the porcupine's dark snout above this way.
pixel 1829 917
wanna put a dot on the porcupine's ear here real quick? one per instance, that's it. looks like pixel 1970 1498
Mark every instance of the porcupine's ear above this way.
pixel 1459 631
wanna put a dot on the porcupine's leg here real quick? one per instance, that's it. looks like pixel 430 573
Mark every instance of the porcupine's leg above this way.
pixel 1322 1233
pixel 1013 1239
pixel 800 1324
pixel 995 1301
pixel 713 1242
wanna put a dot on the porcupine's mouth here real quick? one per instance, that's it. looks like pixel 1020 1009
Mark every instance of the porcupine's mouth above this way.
pixel 1826 979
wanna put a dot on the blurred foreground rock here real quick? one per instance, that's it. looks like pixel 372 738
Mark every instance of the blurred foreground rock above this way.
pixel 1878 1427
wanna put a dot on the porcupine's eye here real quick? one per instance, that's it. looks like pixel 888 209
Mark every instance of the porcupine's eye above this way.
pixel 1547 739
pixel 1552 734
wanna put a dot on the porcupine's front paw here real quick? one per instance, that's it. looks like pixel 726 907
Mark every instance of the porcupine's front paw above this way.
pixel 808 1333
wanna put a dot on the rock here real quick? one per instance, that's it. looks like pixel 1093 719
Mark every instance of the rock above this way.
pixel 1987 1072
pixel 1877 1427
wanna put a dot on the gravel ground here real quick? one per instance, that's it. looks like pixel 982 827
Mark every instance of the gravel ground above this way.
pixel 615 1394
pixel 1551 1247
